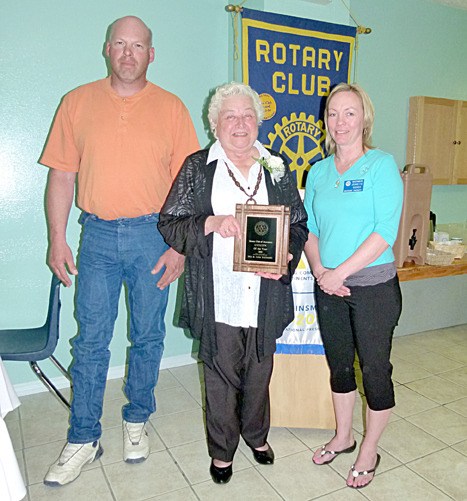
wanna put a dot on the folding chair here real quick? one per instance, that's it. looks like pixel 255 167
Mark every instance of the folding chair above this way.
pixel 35 344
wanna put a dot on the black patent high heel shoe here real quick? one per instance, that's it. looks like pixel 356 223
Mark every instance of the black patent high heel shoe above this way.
pixel 220 475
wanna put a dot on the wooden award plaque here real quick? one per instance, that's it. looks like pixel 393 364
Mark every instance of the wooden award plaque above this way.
pixel 264 245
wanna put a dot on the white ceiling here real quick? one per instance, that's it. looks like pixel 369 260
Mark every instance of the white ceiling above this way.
pixel 458 4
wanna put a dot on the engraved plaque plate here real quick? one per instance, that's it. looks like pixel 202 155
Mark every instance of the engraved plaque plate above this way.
pixel 264 245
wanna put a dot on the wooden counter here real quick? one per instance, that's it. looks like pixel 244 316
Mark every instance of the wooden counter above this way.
pixel 300 392
pixel 411 271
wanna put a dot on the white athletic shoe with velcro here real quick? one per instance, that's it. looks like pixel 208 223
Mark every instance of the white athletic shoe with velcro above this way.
pixel 71 462
pixel 135 442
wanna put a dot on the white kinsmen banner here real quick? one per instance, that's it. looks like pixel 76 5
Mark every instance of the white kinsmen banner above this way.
pixel 302 336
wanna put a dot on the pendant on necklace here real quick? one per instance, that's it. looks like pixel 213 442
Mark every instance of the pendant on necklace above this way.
pixel 338 182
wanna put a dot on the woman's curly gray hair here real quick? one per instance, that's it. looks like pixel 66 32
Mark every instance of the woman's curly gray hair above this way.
pixel 232 89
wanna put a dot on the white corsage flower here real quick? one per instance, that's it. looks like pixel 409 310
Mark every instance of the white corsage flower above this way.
pixel 275 166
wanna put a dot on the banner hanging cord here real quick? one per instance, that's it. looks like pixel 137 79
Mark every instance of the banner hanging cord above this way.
pixel 235 11
pixel 361 30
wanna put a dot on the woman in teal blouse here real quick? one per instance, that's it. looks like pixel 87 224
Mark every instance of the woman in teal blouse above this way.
pixel 354 200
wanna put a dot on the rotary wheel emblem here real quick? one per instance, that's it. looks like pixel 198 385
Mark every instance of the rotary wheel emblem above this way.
pixel 300 139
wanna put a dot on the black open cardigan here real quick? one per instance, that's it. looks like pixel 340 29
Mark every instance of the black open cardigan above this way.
pixel 182 220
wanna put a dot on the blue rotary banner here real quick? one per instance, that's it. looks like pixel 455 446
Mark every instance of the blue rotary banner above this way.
pixel 292 63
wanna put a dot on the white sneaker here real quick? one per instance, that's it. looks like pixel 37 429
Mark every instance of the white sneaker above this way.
pixel 135 442
pixel 71 462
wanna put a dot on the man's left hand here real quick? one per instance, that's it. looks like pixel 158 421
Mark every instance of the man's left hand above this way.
pixel 174 264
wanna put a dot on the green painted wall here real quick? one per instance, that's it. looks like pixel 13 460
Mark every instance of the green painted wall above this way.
pixel 416 48
pixel 51 46
pixel 48 48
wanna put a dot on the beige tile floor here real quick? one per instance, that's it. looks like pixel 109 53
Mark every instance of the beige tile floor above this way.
pixel 424 449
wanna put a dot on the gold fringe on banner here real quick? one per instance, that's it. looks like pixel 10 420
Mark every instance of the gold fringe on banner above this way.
pixel 235 11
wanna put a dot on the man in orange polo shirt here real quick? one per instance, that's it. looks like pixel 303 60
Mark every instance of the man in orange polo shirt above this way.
pixel 125 139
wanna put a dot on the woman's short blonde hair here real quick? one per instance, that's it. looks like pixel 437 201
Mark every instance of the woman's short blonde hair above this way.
pixel 368 115
pixel 225 91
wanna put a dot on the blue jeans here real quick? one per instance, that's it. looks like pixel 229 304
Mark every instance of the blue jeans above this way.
pixel 114 252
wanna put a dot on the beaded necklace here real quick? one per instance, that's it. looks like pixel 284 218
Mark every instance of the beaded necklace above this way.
pixel 238 185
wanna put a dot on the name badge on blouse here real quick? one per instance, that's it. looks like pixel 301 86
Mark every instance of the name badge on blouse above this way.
pixel 353 185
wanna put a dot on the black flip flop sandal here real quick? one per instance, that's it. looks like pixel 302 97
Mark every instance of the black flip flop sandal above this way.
pixel 336 453
pixel 356 473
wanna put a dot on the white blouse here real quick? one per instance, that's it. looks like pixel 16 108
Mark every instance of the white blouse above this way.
pixel 236 293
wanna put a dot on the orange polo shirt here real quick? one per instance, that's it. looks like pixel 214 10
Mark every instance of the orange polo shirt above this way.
pixel 126 150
